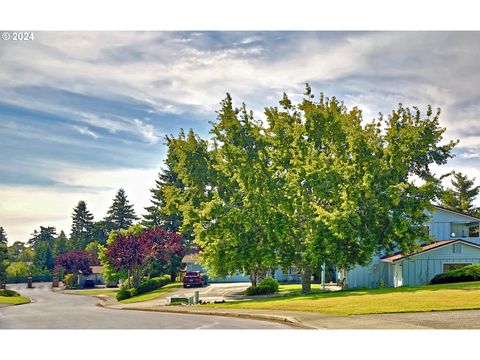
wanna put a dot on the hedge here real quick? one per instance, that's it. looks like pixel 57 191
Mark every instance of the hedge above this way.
pixel 467 273
pixel 266 286
pixel 8 293
pixel 148 285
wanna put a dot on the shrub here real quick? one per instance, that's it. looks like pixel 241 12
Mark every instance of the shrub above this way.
pixel 146 286
pixel 258 290
pixel 467 273
pixel 8 293
pixel 152 284
pixel 270 283
pixel 123 294
pixel 70 281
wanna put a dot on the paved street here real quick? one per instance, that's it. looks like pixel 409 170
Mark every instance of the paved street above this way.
pixel 51 310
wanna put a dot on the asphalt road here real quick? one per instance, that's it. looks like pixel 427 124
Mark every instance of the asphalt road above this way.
pixel 53 310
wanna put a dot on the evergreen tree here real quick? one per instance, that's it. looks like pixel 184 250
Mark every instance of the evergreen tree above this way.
pixel 82 223
pixel 161 213
pixel 42 243
pixel 3 263
pixel 100 231
pixel 461 195
pixel 61 245
pixel 121 214
pixel 3 236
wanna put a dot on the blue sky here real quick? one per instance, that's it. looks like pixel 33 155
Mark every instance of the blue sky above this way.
pixel 84 113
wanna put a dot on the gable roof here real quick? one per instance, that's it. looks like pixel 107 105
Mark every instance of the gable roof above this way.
pixel 456 212
pixel 425 248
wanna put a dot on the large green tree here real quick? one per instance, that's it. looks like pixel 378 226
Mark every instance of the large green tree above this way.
pixel 461 195
pixel 82 223
pixel 61 244
pixel 19 252
pixel 42 243
pixel 316 183
pixel 121 214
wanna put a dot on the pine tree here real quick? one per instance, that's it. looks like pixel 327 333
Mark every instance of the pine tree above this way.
pixel 121 214
pixel 158 214
pixel 82 222
pixel 42 242
pixel 61 244
pixel 3 236
pixel 462 194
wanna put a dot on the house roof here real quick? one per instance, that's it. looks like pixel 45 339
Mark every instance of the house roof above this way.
pixel 190 258
pixel 97 269
pixel 456 212
pixel 424 248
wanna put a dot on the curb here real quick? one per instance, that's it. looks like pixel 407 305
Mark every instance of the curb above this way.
pixel 274 318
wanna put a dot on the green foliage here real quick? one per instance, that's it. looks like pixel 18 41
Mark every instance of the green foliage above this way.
pixel 144 287
pixel 3 262
pixel 123 294
pixel 19 252
pixel 258 290
pixel 467 273
pixel 462 194
pixel 18 268
pixel 270 283
pixel 82 223
pixel 94 248
pixel 152 284
pixel 3 236
pixel 70 281
pixel 9 293
pixel 120 214
pixel 315 184
pixel 61 245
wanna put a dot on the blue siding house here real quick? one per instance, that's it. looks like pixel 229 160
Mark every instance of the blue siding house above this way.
pixel 457 244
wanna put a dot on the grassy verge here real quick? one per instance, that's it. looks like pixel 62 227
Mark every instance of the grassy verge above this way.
pixel 368 301
pixel 13 300
pixel 151 295
pixel 105 291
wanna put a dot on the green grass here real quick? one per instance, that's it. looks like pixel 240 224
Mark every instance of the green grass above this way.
pixel 151 295
pixel 454 296
pixel 13 300
pixel 93 292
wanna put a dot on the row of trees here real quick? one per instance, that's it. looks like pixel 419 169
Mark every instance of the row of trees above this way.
pixel 311 183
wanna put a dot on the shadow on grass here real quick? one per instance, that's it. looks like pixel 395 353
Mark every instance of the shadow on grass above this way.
pixel 317 294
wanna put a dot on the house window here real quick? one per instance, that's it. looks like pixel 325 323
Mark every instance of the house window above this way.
pixel 473 231
pixel 457 248
pixel 426 230
pixel 448 267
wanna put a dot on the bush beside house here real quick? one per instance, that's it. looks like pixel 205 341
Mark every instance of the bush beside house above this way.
pixel 467 273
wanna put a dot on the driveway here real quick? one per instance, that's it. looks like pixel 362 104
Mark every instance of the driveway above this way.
pixel 53 310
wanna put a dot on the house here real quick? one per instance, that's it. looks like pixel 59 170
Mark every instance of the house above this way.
pixel 456 244
pixel 96 276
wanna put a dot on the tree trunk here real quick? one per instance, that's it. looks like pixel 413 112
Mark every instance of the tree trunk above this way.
pixel 253 277
pixel 173 277
pixel 306 279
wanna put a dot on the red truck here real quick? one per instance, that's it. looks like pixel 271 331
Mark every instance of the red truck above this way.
pixel 194 278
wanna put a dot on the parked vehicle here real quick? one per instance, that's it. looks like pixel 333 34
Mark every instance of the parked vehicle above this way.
pixel 89 284
pixel 194 278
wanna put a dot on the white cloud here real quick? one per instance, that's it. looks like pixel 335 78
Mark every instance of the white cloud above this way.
pixel 86 131
pixel 24 209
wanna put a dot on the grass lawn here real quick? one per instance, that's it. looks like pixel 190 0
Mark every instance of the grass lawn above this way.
pixel 368 301
pixel 13 300
pixel 152 294
pixel 105 291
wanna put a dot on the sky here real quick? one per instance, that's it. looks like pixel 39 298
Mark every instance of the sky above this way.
pixel 83 114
